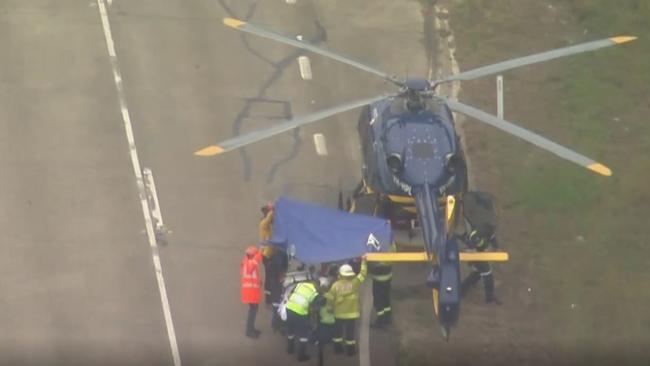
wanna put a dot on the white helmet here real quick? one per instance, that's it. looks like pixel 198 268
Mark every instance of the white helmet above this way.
pixel 346 270
pixel 324 282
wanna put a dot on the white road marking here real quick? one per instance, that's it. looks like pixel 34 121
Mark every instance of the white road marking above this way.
pixel 126 118
pixel 150 186
pixel 500 96
pixel 305 67
pixel 291 1
pixel 320 144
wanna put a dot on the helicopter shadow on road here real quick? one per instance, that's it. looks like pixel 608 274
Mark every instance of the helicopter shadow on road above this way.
pixel 251 102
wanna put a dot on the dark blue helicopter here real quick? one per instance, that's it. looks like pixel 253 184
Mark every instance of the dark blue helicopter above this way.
pixel 412 154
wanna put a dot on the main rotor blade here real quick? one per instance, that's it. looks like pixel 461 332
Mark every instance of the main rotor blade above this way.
pixel 529 136
pixel 254 136
pixel 259 31
pixel 538 57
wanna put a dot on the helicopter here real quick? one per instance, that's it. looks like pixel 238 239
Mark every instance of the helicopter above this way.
pixel 413 158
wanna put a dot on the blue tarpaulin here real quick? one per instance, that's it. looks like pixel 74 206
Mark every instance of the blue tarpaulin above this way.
pixel 315 234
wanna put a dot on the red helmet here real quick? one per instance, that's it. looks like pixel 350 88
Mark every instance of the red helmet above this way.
pixel 251 251
pixel 266 208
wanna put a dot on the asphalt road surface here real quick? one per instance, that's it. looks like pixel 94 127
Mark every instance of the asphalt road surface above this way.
pixel 78 282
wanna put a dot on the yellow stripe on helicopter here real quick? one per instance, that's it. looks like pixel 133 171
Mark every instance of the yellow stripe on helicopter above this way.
pixel 210 151
pixel 423 257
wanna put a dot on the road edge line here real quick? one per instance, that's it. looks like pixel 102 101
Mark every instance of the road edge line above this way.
pixel 126 118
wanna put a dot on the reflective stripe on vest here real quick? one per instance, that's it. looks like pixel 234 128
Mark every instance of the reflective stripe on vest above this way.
pixel 326 316
pixel 481 244
pixel 303 295
pixel 381 271
pixel 249 274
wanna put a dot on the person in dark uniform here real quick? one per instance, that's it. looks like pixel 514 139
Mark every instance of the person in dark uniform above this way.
pixel 276 268
pixel 474 241
pixel 479 236
pixel 382 275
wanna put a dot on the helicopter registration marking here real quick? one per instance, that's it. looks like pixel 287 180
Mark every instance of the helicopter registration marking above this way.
pixel 320 144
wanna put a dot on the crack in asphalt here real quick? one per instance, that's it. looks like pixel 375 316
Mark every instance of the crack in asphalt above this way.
pixel 280 67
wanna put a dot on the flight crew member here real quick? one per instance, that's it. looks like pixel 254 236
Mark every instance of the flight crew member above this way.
pixel 343 299
pixel 298 306
pixel 326 321
pixel 480 242
pixel 251 283
pixel 265 231
pixel 382 274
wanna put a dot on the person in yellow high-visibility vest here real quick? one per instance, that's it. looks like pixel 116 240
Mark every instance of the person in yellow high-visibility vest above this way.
pixel 265 231
pixel 298 322
pixel 343 299
pixel 326 321
pixel 382 274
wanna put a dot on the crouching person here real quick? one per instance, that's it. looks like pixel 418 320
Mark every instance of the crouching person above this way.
pixel 299 302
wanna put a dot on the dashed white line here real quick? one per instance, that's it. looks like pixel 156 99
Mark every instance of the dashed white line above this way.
pixel 305 67
pixel 320 144
pixel 291 1
pixel 126 118
pixel 500 96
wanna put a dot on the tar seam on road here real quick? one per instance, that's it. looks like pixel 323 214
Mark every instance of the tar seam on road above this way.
pixel 140 182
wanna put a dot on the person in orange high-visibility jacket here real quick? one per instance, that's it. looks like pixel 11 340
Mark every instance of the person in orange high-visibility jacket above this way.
pixel 251 287
pixel 343 300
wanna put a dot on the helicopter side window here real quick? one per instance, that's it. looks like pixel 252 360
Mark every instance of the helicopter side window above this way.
pixel 395 163
pixel 423 150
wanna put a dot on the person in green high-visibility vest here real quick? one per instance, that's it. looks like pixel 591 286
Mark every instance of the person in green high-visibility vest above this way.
pixel 343 299
pixel 325 328
pixel 299 303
